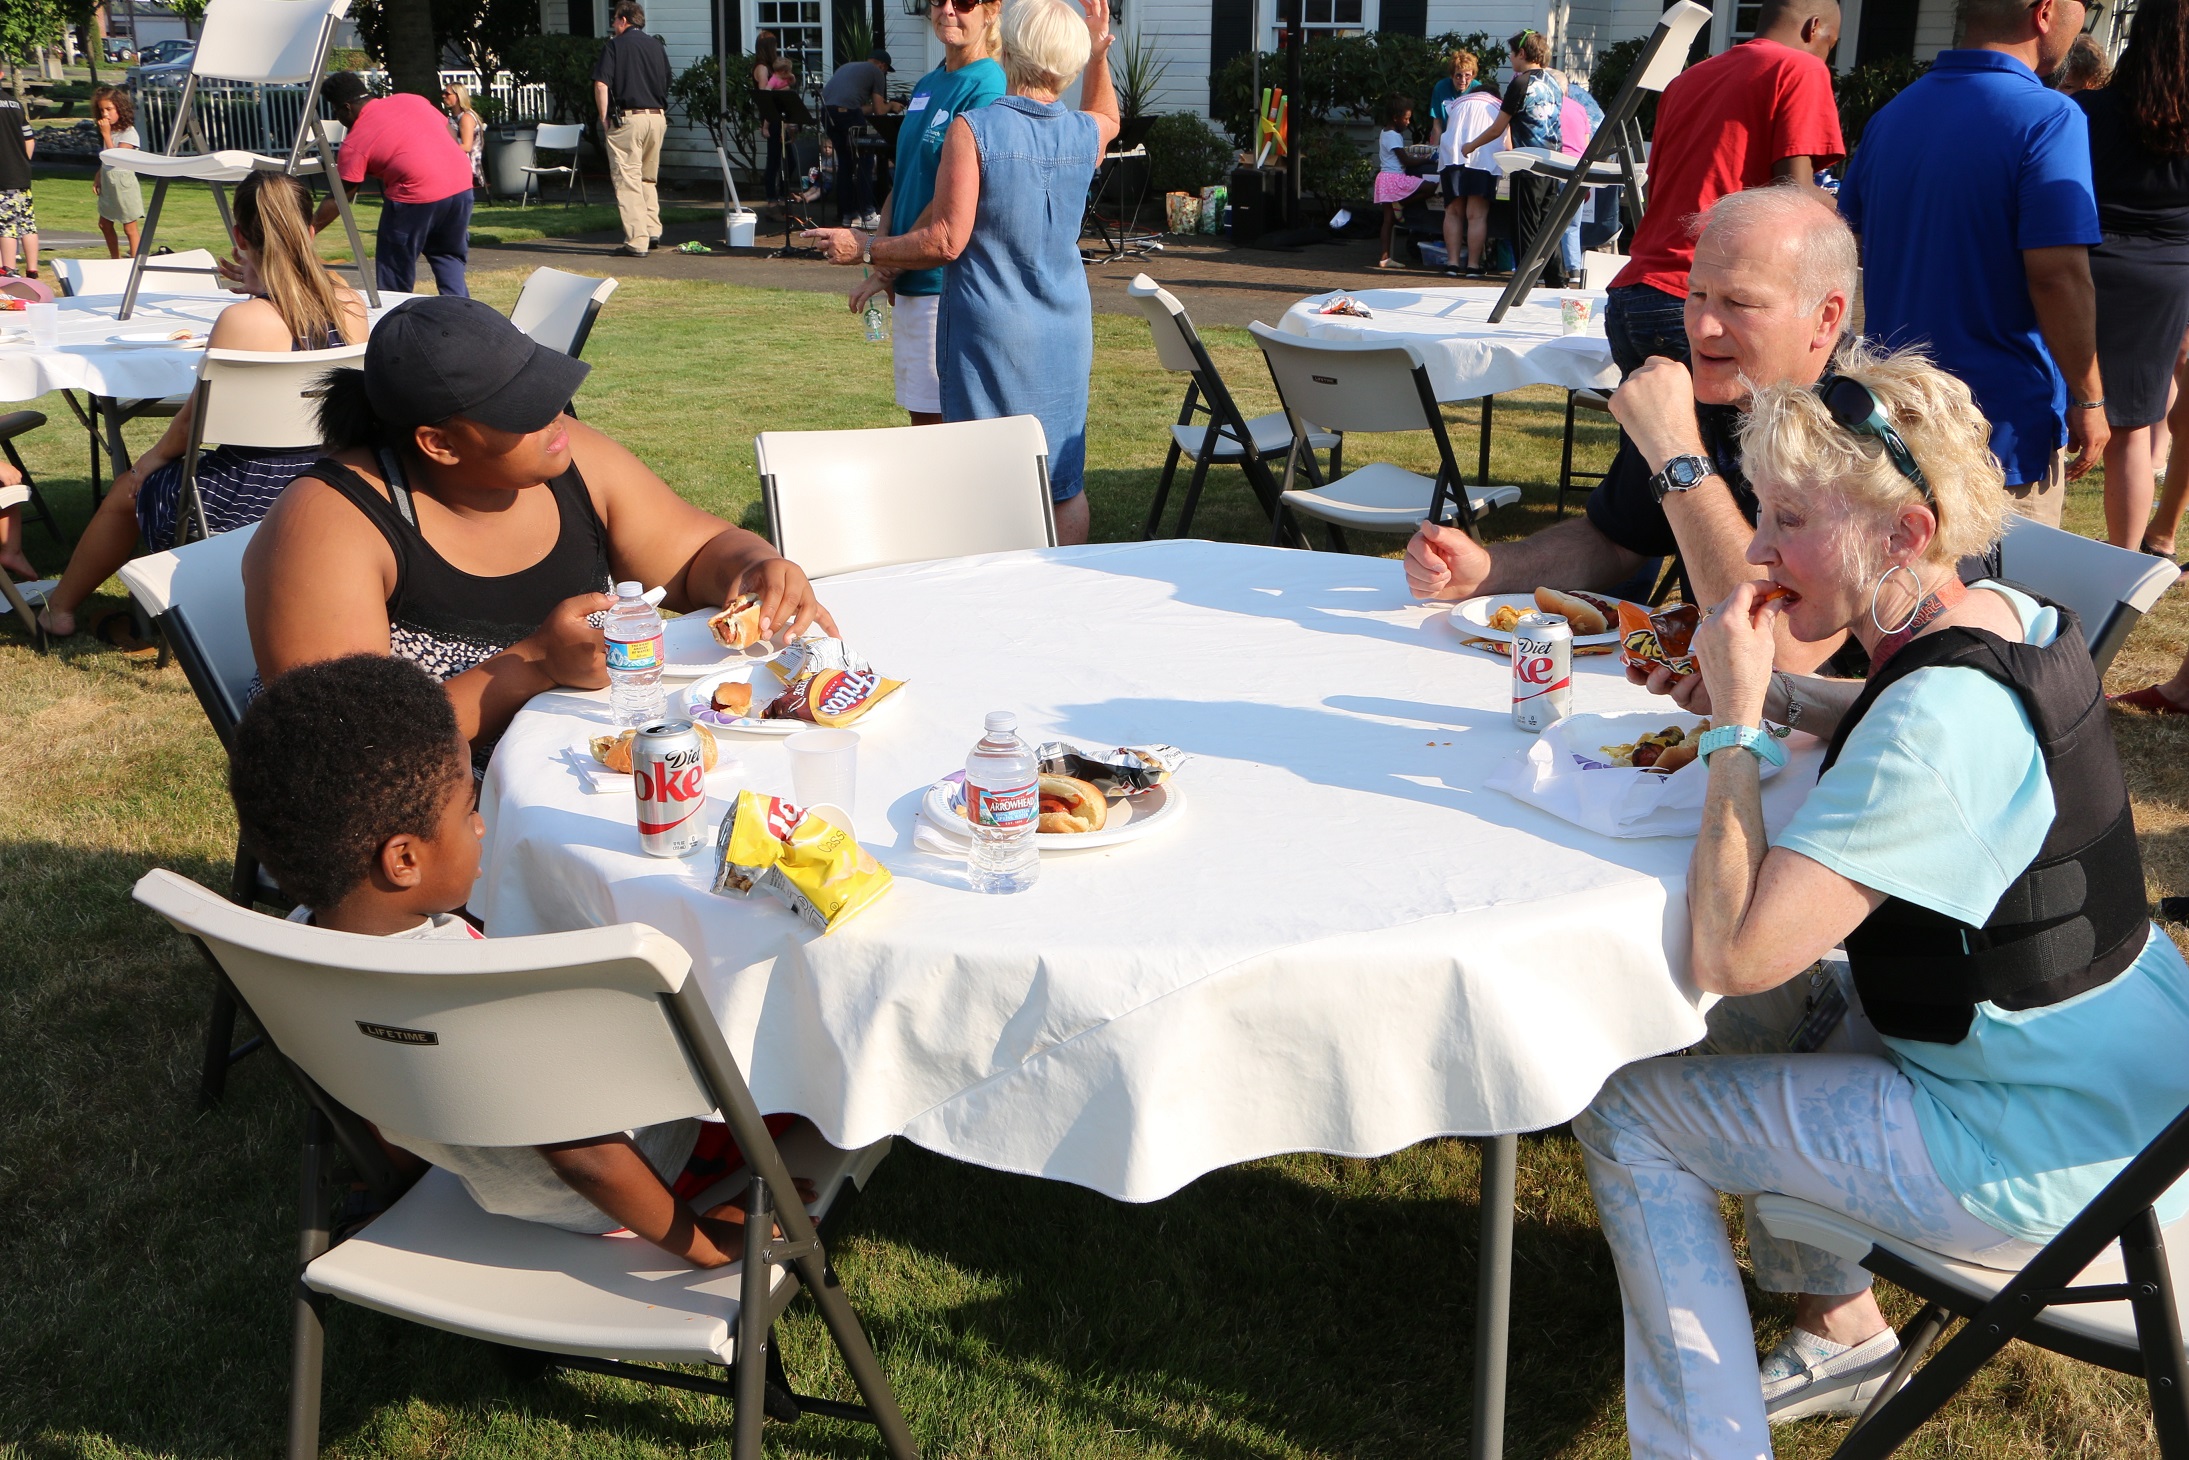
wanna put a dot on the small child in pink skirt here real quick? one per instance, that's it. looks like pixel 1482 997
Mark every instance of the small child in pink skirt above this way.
pixel 1394 184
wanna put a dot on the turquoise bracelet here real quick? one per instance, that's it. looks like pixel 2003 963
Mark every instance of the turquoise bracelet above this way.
pixel 1745 737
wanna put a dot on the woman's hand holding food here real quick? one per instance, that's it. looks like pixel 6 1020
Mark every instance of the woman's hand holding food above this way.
pixel 1685 690
pixel 568 648
pixel 1734 647
pixel 787 603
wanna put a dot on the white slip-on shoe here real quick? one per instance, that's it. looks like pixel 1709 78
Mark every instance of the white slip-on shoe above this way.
pixel 1800 1379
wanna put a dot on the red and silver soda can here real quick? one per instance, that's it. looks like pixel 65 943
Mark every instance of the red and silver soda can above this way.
pixel 669 768
pixel 1542 671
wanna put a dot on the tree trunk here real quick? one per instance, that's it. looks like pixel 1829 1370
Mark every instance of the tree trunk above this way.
pixel 95 35
pixel 412 59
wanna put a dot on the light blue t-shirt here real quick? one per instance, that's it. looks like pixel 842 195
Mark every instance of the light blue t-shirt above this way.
pixel 1940 798
pixel 938 99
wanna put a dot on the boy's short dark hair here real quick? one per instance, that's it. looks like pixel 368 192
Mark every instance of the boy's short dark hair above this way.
pixel 333 759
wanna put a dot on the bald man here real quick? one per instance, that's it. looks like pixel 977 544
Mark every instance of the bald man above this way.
pixel 1758 114
pixel 1767 301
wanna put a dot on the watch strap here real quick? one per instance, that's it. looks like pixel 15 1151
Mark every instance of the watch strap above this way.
pixel 1742 737
pixel 1662 484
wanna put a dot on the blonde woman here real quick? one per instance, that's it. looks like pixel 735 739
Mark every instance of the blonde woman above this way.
pixel 1014 332
pixel 969 78
pixel 1968 842
pixel 467 127
pixel 295 304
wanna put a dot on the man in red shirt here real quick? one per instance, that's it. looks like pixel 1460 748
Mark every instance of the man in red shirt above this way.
pixel 1760 113
pixel 425 180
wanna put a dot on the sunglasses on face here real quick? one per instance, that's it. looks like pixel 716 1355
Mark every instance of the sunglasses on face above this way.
pixel 963 7
pixel 1855 408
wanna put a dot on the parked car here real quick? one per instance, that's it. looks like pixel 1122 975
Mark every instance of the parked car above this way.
pixel 118 48
pixel 160 53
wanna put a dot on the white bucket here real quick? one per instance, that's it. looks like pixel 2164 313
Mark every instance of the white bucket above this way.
pixel 740 224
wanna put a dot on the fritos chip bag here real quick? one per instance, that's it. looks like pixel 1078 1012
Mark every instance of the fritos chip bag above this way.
pixel 826 684
pixel 814 866
pixel 1647 640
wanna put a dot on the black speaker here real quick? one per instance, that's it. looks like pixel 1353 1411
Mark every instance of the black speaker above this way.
pixel 1259 203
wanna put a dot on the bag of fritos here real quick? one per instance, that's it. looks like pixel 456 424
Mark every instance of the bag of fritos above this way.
pixel 813 866
pixel 825 683
pixel 1661 639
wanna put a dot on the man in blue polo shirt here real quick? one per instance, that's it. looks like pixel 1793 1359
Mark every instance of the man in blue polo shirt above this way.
pixel 1971 192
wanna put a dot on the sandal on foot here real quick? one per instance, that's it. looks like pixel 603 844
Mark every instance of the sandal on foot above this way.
pixel 2151 699
pixel 2144 546
pixel 1389 264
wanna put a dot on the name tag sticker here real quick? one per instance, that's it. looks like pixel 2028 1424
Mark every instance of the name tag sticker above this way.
pixel 917 104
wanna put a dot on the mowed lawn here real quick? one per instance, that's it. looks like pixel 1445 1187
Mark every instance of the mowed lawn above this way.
pixel 1299 1306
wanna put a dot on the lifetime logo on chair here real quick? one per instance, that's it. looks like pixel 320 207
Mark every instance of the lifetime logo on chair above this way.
pixel 396 1035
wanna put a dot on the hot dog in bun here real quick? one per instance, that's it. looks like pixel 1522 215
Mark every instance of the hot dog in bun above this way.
pixel 1582 616
pixel 738 625
pixel 1070 805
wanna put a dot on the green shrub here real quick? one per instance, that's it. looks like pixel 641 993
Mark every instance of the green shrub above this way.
pixel 697 92
pixel 1862 91
pixel 1349 76
pixel 1186 154
pixel 350 58
pixel 1333 169
pixel 564 65
pixel 1614 63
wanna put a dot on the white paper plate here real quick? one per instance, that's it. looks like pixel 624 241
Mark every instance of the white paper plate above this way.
pixel 943 807
pixel 690 649
pixel 1472 617
pixel 1585 735
pixel 696 700
pixel 157 340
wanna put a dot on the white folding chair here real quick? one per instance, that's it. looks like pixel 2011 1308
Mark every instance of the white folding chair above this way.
pixel 1228 438
pixel 1664 56
pixel 842 500
pixel 2103 1292
pixel 557 308
pixel 265 400
pixel 1351 386
pixel 1598 268
pixel 527 1042
pixel 194 268
pixel 556 137
pixel 194 598
pixel 259 42
pixel 2110 588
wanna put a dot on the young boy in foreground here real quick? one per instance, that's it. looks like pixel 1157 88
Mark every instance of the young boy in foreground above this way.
pixel 354 791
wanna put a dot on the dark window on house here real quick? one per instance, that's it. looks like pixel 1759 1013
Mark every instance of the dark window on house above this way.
pixel 581 17
pixel 1231 31
pixel 1888 31
pixel 1405 17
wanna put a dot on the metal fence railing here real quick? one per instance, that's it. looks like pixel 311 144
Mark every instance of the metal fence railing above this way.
pixel 258 118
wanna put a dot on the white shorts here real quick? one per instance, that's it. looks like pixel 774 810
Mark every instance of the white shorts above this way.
pixel 912 334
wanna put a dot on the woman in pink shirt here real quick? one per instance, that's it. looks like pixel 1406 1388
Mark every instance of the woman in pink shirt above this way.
pixel 425 181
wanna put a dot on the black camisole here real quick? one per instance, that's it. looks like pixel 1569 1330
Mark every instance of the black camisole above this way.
pixel 445 620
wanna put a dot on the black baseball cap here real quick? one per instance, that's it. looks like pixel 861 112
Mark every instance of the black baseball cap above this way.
pixel 443 356
pixel 880 57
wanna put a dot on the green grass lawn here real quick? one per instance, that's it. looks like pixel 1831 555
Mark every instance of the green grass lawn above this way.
pixel 1293 1307
pixel 66 202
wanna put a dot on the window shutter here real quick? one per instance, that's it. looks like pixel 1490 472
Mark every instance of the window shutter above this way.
pixel 1405 17
pixel 1231 31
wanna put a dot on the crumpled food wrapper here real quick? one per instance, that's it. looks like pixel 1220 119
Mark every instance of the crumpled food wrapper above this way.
pixel 1129 770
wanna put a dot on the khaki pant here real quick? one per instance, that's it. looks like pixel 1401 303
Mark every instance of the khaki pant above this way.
pixel 2043 500
pixel 634 166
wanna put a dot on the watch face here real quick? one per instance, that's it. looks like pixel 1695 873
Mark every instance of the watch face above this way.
pixel 1686 471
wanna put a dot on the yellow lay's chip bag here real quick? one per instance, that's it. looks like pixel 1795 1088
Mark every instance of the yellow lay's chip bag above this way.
pixel 1661 639
pixel 815 867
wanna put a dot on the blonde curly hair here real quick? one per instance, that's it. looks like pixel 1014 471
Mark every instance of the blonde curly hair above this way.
pixel 1791 441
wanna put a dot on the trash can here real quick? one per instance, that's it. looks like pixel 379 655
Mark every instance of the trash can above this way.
pixel 509 151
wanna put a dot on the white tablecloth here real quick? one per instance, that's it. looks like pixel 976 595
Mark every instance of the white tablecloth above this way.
pixel 1468 356
pixel 87 360
pixel 1344 944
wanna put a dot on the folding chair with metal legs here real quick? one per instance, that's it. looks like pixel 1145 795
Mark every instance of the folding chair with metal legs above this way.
pixel 2131 1325
pixel 12 425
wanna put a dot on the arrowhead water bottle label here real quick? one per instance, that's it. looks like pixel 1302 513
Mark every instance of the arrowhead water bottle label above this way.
pixel 1005 807
pixel 638 654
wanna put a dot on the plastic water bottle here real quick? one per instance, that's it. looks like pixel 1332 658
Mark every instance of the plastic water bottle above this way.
pixel 877 323
pixel 1003 801
pixel 633 631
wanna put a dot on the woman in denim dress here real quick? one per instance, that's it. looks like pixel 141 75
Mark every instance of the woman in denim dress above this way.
pixel 1015 333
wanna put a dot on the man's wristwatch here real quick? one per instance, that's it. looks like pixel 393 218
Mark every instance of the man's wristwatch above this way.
pixel 1744 737
pixel 1682 474
pixel 866 251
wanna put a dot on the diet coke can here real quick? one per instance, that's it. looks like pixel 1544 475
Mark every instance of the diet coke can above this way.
pixel 1542 671
pixel 669 769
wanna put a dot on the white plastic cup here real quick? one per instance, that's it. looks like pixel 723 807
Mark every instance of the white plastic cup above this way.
pixel 824 767
pixel 44 323
pixel 1573 312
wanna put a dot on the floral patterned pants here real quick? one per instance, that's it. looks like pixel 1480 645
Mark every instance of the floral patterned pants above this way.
pixel 1665 1136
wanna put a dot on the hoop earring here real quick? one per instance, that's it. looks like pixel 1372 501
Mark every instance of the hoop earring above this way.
pixel 1879 587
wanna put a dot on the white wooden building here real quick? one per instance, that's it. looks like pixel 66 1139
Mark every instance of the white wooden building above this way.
pixel 1196 37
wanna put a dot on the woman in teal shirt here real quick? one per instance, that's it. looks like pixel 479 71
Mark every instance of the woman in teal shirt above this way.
pixel 2025 1025
pixel 968 78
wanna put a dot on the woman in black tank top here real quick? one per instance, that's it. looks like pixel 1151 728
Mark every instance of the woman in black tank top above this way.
pixel 461 521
